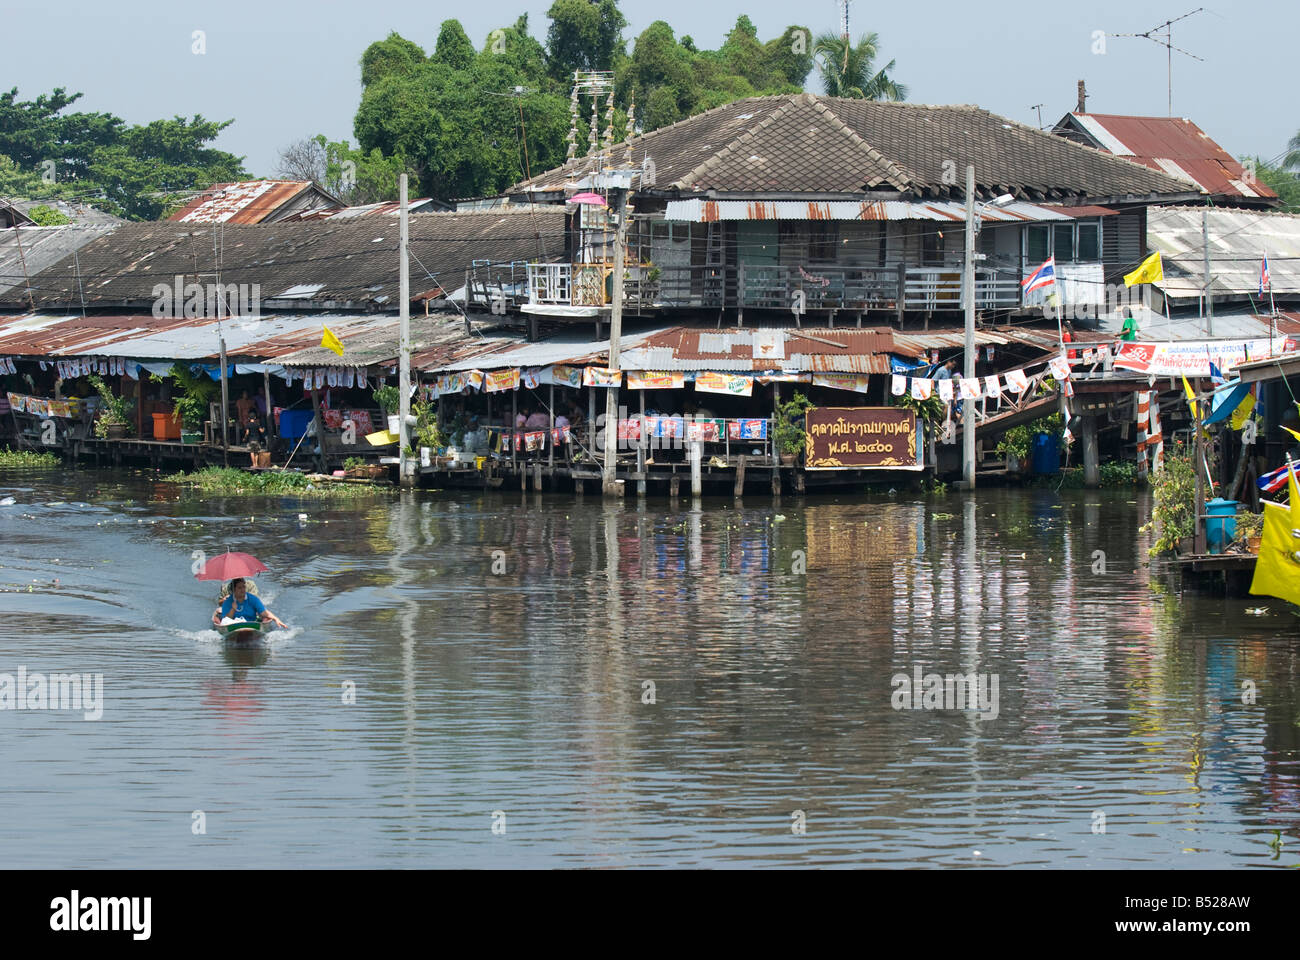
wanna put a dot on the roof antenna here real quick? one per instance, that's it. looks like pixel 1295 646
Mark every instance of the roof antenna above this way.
pixel 1039 108
pixel 1167 26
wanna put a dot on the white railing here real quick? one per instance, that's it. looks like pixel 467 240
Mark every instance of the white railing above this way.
pixel 550 283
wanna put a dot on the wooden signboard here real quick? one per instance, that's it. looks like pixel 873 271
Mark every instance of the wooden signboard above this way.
pixel 858 438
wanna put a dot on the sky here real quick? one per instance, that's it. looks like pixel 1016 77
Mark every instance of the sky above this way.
pixel 284 70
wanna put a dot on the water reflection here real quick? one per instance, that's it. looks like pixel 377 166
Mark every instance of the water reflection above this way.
pixel 641 682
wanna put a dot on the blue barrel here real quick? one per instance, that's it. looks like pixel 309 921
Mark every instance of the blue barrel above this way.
pixel 1221 525
pixel 1045 455
pixel 293 423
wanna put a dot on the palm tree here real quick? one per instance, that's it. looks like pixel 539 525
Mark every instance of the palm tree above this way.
pixel 1292 159
pixel 848 69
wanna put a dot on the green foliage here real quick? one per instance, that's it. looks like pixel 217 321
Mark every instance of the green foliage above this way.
pixel 1174 490
pixel 197 391
pixel 1283 181
pixel 114 411
pixel 47 216
pixel 1119 473
pixel 352 463
pixel 1018 441
pixel 228 481
pixel 456 122
pixel 134 171
pixel 848 69
pixel 389 398
pixel 789 434
pixel 427 433
pixel 929 411
pixel 1248 525
pixel 27 460
pixel 584 35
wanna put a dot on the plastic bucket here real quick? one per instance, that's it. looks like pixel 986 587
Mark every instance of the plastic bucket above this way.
pixel 1221 523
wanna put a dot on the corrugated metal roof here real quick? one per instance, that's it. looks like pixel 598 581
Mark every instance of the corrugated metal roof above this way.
pixel 251 201
pixel 1238 241
pixel 1173 145
pixel 709 211
pixel 42 248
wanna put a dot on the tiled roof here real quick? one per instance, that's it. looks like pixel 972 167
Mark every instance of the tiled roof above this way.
pixel 330 264
pixel 26 252
pixel 250 201
pixel 810 144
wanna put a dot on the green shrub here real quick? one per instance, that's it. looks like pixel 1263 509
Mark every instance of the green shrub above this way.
pixel 1174 489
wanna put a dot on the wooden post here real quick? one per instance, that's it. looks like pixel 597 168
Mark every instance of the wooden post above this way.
pixel 740 477
pixel 798 480
pixel 1091 466
pixel 591 418
pixel 740 294
pixel 675 485
pixel 696 454
pixel 902 292
pixel 271 432
pixel 1198 504
pixel 514 419
pixel 776 479
pixel 550 435
pixel 320 428
pixel 537 477
pixel 640 450
pixel 225 409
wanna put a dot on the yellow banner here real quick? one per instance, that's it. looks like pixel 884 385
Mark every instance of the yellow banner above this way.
pixel 655 380
pixel 1150 271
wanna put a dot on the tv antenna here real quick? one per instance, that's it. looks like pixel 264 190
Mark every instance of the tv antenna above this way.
pixel 1039 108
pixel 844 18
pixel 1167 43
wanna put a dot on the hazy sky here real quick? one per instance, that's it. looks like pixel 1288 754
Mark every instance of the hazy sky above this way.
pixel 284 69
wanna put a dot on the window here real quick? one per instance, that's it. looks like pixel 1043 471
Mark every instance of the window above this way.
pixel 1089 246
pixel 1063 242
pixel 1037 241
pixel 1079 241
pixel 823 238
pixel 932 247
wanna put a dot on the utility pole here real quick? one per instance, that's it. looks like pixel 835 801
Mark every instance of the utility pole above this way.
pixel 1209 281
pixel 608 485
pixel 405 471
pixel 968 293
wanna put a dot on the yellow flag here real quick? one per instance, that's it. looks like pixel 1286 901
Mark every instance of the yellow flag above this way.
pixel 1149 272
pixel 1277 571
pixel 331 342
pixel 1191 395
pixel 1290 431
pixel 1243 412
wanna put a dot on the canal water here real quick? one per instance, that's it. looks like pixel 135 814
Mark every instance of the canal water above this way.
pixel 493 680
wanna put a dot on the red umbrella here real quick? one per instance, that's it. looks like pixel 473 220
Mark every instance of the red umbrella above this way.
pixel 228 566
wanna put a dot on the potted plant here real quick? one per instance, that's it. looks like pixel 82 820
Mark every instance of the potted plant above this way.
pixel 389 399
pixel 1173 489
pixel 788 433
pixel 112 421
pixel 191 406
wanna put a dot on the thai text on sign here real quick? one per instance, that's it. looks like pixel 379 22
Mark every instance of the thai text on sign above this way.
pixel 843 438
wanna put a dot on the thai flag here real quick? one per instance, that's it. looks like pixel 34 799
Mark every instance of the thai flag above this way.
pixel 1273 482
pixel 1265 281
pixel 1042 277
pixel 1216 375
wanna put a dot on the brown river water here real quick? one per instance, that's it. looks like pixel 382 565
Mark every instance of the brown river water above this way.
pixel 491 680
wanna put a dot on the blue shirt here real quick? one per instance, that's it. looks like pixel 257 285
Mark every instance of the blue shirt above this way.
pixel 251 609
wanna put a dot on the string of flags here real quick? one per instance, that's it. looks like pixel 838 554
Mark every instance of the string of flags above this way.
pixel 971 388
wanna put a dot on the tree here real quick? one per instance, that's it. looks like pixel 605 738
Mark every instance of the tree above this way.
pixel 454 48
pixel 46 216
pixel 1281 181
pixel 393 55
pixel 1292 159
pixel 584 35
pixel 848 69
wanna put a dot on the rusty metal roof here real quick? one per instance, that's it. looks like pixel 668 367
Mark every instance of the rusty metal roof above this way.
pixel 251 201
pixel 1174 146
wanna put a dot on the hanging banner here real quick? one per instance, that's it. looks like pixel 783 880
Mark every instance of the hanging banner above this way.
pixel 783 377
pixel 476 379
pixel 735 385
pixel 898 385
pixel 842 438
pixel 993 386
pixel 560 435
pixel 921 388
pixel 945 389
pixel 856 382
pixel 969 387
pixel 629 429
pixel 1192 358
pixel 655 380
pixel 747 429
pixel 708 431
pixel 1017 382
pixel 1060 368
pixel 452 383
pixel 18 402
pixel 601 377
pixel 534 439
pixel 498 380
pixel 563 376
pixel 532 378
